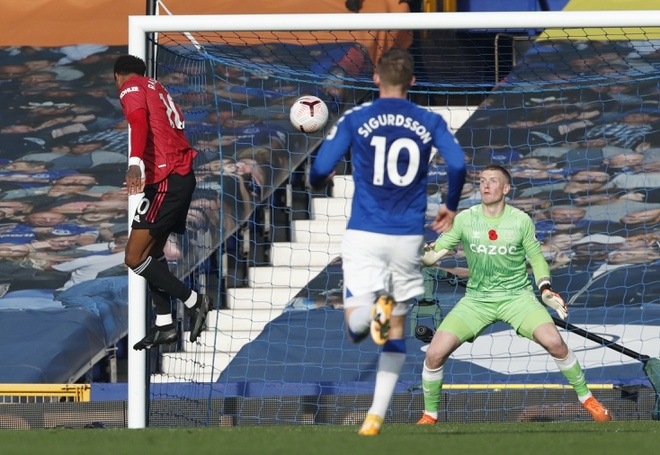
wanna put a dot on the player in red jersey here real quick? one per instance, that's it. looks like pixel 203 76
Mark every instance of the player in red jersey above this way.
pixel 160 166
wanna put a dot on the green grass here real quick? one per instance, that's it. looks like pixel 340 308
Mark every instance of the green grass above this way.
pixel 565 438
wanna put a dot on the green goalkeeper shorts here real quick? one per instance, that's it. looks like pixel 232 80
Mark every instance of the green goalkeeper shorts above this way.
pixel 523 312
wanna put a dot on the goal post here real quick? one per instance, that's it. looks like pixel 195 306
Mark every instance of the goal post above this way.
pixel 515 123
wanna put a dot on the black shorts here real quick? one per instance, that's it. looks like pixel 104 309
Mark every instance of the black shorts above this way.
pixel 164 207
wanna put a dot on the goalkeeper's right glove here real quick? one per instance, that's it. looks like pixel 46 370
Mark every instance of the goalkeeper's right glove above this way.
pixel 553 300
pixel 430 257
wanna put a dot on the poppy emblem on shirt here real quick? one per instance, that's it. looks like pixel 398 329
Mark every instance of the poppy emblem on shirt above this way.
pixel 492 234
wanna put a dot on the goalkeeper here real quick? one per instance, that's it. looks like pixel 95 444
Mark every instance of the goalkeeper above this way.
pixel 497 238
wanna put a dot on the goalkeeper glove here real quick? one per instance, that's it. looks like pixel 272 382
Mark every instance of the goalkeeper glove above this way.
pixel 430 257
pixel 553 300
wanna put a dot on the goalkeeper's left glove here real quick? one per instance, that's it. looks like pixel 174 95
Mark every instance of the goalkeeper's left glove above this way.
pixel 552 299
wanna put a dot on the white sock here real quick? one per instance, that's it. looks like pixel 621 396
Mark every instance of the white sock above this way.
pixel 585 397
pixel 568 362
pixel 359 321
pixel 389 367
pixel 163 319
pixel 192 300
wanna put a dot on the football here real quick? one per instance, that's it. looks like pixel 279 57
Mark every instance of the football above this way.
pixel 308 114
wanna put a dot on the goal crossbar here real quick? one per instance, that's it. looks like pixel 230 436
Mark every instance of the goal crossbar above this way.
pixel 138 26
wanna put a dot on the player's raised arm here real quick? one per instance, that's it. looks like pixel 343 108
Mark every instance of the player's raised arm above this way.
pixel 454 157
pixel 334 147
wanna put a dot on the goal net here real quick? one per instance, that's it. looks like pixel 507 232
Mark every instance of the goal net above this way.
pixel 568 102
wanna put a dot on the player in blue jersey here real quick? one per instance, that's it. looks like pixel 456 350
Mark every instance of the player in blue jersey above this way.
pixel 391 142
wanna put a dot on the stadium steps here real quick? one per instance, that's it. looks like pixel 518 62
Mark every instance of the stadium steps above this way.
pixel 294 264
pixel 282 276
pixel 301 254
pixel 318 231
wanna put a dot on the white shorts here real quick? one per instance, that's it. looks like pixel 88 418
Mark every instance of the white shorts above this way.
pixel 373 263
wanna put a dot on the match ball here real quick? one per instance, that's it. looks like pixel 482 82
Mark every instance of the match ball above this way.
pixel 308 114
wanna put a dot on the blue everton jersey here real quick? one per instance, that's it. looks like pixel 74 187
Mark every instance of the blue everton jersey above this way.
pixel 391 142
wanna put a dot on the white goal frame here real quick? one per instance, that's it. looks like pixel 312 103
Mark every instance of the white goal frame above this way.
pixel 140 26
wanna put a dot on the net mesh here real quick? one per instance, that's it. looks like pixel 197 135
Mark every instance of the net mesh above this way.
pixel 576 121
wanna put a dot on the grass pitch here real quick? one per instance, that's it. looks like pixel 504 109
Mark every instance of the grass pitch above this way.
pixel 565 438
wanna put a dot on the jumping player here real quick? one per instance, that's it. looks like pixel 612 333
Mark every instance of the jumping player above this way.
pixel 160 166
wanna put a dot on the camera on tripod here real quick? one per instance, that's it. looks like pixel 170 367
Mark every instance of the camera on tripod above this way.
pixel 424 333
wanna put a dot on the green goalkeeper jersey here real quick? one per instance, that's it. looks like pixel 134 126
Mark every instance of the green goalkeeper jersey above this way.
pixel 497 250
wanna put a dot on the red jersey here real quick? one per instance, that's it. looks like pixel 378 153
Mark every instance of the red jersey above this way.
pixel 167 150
